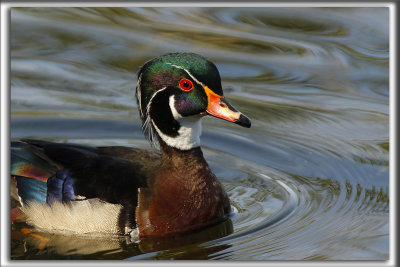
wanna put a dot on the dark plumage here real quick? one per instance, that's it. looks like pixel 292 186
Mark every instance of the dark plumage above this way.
pixel 161 194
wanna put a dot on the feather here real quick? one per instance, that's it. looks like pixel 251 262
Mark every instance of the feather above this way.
pixel 86 216
pixel 30 169
pixel 29 161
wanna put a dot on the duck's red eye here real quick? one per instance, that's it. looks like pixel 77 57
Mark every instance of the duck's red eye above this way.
pixel 186 85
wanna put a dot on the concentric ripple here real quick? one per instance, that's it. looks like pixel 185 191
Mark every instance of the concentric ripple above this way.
pixel 281 213
pixel 275 212
pixel 308 181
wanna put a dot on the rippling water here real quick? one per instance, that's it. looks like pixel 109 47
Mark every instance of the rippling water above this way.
pixel 308 181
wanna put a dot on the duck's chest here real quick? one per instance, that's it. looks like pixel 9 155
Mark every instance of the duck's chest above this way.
pixel 181 201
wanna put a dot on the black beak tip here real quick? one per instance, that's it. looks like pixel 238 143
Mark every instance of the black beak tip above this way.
pixel 243 121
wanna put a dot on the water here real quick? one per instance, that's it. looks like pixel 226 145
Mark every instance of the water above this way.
pixel 308 181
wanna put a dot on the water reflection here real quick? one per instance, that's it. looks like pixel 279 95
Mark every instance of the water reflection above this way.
pixel 96 246
pixel 309 180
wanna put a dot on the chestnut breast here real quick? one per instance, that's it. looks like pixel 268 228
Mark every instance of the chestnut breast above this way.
pixel 181 199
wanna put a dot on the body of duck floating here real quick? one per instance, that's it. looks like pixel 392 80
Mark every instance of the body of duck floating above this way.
pixel 85 189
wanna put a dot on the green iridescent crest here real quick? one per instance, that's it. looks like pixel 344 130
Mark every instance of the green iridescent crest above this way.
pixel 165 73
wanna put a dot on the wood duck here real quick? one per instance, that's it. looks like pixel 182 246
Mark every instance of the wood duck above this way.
pixel 123 190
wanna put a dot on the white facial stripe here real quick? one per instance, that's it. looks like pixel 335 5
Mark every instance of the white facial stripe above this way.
pixel 139 94
pixel 146 125
pixel 182 68
pixel 188 134
pixel 175 113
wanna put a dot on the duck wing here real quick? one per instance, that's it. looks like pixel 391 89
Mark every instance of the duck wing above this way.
pixel 46 170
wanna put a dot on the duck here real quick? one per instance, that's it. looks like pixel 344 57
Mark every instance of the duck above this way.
pixel 165 191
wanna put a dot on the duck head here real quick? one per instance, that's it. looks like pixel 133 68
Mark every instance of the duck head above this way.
pixel 174 92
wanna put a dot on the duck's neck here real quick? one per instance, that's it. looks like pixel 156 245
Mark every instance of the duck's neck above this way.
pixel 183 196
pixel 179 158
pixel 180 133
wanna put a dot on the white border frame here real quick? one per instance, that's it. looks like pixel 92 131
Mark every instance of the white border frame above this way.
pixel 5 134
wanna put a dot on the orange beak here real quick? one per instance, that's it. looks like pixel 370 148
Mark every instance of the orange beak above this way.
pixel 219 107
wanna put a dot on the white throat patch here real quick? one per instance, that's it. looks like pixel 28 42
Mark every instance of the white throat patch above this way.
pixel 189 132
